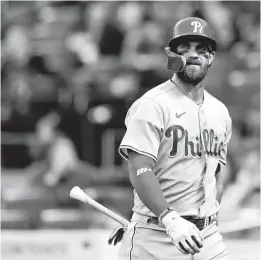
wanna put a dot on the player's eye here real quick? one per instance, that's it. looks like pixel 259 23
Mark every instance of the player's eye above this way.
pixel 202 49
pixel 183 48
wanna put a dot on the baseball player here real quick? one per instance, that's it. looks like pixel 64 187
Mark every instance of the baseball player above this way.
pixel 176 143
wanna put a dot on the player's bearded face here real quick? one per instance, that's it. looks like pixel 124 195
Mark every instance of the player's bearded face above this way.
pixel 197 62
pixel 194 72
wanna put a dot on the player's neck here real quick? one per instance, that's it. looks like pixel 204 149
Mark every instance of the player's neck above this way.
pixel 194 92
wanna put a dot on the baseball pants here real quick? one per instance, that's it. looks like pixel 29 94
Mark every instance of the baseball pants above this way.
pixel 143 241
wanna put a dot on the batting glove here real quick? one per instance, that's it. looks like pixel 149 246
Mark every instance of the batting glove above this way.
pixel 184 234
pixel 116 236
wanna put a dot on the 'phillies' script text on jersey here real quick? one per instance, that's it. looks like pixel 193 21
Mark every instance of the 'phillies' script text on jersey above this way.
pixel 195 146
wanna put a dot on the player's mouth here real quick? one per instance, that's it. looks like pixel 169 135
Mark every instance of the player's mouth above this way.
pixel 193 63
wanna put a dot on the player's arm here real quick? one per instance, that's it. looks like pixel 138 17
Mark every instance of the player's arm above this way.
pixel 140 147
pixel 219 183
pixel 222 161
pixel 145 182
pixel 146 185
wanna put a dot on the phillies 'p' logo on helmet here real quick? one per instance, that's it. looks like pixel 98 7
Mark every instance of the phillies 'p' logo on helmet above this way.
pixel 197 26
pixel 193 28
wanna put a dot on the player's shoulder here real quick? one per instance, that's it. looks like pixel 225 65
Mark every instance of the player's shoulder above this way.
pixel 152 101
pixel 159 90
pixel 156 94
pixel 217 104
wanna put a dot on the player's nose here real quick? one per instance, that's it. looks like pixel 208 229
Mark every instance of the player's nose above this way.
pixel 193 54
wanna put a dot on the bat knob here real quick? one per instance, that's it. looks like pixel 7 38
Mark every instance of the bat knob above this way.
pixel 76 193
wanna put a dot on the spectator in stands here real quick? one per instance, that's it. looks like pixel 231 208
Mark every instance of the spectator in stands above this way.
pixel 144 51
pixel 246 185
pixel 54 153
pixel 56 161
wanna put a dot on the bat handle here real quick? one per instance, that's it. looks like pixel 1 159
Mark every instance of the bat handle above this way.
pixel 108 212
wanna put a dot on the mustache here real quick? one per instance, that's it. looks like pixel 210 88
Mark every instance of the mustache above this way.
pixel 193 62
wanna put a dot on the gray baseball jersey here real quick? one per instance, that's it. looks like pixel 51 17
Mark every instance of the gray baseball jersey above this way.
pixel 187 141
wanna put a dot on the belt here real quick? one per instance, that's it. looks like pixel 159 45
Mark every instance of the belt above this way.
pixel 200 223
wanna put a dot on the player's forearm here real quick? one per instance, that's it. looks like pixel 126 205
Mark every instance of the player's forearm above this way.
pixel 148 189
pixel 220 190
pixel 219 185
pixel 147 186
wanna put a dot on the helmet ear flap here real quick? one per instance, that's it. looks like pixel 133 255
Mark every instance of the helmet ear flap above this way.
pixel 175 62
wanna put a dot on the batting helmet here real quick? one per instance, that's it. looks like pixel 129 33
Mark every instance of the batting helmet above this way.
pixel 193 28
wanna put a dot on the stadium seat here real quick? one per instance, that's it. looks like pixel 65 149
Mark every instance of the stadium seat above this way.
pixel 65 219
pixel 15 219
pixel 32 200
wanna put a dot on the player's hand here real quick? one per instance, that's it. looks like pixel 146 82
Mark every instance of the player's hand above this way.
pixel 184 234
pixel 116 236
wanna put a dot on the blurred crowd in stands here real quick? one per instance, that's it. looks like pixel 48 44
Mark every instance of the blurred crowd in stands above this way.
pixel 71 69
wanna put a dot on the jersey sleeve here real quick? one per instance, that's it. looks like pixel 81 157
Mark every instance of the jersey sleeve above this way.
pixel 144 122
pixel 223 150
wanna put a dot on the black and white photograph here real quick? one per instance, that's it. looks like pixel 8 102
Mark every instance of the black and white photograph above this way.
pixel 130 130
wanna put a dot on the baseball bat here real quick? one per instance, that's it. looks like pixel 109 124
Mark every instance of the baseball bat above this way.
pixel 79 194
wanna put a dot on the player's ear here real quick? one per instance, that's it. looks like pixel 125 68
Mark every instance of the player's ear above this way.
pixel 211 57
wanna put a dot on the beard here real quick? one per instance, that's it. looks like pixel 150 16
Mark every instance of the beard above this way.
pixel 193 74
